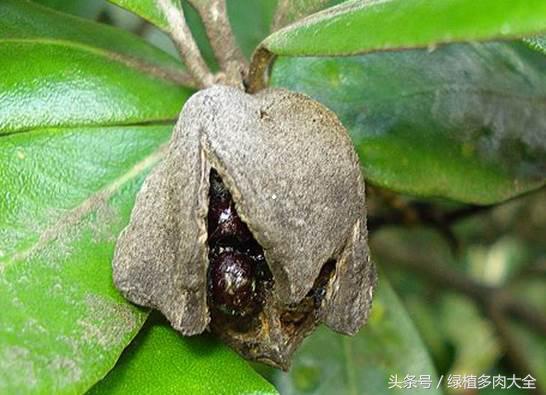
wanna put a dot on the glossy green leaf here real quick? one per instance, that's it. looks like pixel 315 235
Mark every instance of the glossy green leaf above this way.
pixel 82 8
pixel 66 193
pixel 388 346
pixel 161 361
pixel 24 20
pixel 50 91
pixel 359 26
pixel 80 130
pixel 147 9
pixel 40 85
pixel 466 121
pixel 69 170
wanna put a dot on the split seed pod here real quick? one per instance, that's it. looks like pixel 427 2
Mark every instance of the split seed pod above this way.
pixel 284 167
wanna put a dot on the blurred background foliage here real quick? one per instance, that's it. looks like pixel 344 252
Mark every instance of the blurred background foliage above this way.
pixel 448 263
pixel 441 271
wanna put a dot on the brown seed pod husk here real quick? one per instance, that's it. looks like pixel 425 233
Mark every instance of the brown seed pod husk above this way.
pixel 296 181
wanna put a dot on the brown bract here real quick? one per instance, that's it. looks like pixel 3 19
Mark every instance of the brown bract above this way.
pixel 296 182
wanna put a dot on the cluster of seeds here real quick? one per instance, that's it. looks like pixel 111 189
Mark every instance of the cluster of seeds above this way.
pixel 239 280
pixel 238 272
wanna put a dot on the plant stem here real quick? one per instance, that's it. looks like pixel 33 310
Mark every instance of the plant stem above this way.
pixel 214 15
pixel 257 73
pixel 411 214
pixel 184 41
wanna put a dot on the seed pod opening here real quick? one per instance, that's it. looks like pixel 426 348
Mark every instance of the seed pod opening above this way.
pixel 244 310
pixel 254 225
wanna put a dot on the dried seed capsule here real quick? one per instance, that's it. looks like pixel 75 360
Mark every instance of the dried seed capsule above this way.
pixel 293 177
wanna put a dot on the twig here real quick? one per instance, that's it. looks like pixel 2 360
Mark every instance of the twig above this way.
pixel 527 314
pixel 465 212
pixel 420 213
pixel 256 79
pixel 536 269
pixel 281 14
pixel 214 15
pixel 184 41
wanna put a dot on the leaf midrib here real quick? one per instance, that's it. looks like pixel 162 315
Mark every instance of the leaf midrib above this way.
pixel 274 42
pixel 170 74
pixel 86 206
pixel 44 128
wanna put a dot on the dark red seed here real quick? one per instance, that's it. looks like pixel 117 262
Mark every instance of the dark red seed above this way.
pixel 224 224
pixel 230 229
pixel 219 200
pixel 319 287
pixel 254 251
pixel 233 284
pixel 217 187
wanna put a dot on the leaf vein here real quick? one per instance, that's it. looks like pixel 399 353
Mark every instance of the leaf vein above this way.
pixel 179 77
pixel 75 215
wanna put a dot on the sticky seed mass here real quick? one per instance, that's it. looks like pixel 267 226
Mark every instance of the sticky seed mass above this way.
pixel 240 284
pixel 238 272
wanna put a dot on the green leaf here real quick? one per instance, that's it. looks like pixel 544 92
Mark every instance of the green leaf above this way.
pixel 147 9
pixel 161 361
pixel 330 363
pixel 114 83
pixel 363 26
pixel 50 91
pixel 66 193
pixel 80 129
pixel 82 8
pixel 24 20
pixel 465 122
